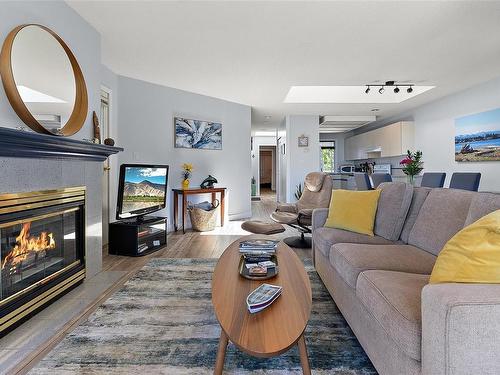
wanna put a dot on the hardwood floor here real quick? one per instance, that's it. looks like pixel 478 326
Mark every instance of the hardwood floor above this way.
pixel 118 269
pixel 203 245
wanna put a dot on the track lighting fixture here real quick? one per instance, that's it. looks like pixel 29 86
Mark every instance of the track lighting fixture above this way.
pixel 390 84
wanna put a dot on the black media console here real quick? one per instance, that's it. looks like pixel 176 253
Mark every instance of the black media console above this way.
pixel 138 236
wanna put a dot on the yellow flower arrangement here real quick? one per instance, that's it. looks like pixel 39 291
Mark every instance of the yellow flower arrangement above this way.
pixel 187 168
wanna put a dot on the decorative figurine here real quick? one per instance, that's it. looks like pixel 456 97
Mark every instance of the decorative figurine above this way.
pixel 109 142
pixel 208 183
pixel 97 129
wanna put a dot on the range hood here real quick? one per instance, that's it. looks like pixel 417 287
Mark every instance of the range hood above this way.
pixel 341 124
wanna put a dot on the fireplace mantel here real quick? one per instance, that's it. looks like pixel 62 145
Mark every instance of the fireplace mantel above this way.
pixel 26 144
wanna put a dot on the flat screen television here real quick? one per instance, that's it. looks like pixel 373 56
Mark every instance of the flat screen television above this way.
pixel 142 190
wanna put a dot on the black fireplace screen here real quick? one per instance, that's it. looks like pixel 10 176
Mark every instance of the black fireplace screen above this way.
pixel 35 249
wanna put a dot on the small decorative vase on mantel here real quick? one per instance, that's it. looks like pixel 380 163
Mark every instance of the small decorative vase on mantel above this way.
pixel 187 168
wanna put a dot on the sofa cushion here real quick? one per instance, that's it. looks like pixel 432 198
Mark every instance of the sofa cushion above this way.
pixel 481 205
pixel 394 301
pixel 351 259
pixel 442 215
pixel 324 238
pixel 393 206
pixel 419 196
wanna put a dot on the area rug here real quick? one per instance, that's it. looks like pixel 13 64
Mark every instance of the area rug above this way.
pixel 162 322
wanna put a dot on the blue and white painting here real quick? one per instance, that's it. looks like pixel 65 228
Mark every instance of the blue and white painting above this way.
pixel 197 134
pixel 477 137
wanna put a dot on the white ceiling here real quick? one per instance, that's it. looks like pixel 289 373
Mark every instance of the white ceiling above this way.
pixel 253 52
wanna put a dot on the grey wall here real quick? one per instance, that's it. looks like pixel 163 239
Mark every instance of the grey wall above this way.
pixel 435 131
pixel 82 39
pixel 146 131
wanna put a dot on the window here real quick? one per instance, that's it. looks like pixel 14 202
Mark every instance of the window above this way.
pixel 327 156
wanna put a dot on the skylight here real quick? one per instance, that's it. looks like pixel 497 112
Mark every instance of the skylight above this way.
pixel 349 94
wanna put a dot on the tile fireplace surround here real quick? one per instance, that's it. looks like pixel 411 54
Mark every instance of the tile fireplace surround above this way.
pixel 34 162
pixel 24 175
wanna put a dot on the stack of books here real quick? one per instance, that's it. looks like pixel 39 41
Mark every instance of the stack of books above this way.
pixel 258 247
pixel 262 297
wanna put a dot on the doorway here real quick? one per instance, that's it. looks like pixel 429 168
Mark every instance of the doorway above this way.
pixel 104 121
pixel 267 171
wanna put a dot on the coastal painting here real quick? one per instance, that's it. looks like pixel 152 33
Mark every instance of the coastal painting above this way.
pixel 197 134
pixel 477 137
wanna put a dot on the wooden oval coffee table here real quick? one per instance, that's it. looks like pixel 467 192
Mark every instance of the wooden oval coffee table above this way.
pixel 272 331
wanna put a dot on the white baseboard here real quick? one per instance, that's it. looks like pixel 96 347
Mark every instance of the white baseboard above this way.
pixel 241 215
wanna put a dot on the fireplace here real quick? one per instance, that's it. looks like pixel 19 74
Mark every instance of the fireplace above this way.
pixel 42 250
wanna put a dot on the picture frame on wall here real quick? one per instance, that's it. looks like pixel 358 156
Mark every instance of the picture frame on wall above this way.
pixel 303 141
pixel 197 134
pixel 477 137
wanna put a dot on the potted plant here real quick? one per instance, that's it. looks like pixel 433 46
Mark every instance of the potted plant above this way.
pixel 412 165
pixel 187 168
pixel 298 191
pixel 254 187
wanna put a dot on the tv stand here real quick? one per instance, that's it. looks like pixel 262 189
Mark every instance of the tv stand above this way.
pixel 137 236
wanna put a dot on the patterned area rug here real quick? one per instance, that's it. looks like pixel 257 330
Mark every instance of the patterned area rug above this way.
pixel 162 322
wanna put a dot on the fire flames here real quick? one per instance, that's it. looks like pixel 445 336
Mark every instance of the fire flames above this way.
pixel 26 245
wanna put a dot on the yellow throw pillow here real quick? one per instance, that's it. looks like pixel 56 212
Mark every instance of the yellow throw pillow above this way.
pixel 472 255
pixel 353 210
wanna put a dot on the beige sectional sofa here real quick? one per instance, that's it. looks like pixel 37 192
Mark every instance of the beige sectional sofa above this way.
pixel 380 284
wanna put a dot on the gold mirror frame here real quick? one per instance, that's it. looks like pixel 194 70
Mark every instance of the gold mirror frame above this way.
pixel 79 113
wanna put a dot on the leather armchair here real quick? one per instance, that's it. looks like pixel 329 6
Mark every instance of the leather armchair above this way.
pixel 316 194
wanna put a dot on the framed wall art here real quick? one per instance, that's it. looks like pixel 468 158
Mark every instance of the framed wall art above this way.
pixel 197 134
pixel 477 137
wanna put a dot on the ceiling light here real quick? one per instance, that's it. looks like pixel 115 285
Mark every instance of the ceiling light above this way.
pixel 367 90
pixel 350 94
pixel 381 90
pixel 268 117
pixel 396 90
pixel 409 90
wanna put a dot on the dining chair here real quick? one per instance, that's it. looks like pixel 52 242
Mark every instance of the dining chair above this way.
pixel 378 178
pixel 465 181
pixel 363 181
pixel 433 180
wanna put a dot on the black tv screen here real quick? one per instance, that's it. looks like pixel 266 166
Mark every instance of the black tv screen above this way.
pixel 142 190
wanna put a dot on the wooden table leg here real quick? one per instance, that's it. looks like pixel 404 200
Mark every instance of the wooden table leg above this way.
pixel 221 354
pixel 184 207
pixel 304 360
pixel 222 199
pixel 176 209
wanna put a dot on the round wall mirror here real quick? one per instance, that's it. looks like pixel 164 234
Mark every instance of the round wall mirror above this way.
pixel 43 81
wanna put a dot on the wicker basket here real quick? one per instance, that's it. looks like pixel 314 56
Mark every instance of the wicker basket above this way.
pixel 203 220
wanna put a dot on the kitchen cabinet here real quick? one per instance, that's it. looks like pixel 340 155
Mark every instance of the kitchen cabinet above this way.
pixel 388 141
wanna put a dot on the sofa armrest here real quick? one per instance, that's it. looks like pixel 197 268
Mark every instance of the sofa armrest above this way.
pixel 319 216
pixel 461 329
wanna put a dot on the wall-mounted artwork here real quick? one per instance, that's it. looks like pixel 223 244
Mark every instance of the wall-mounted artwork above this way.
pixel 197 134
pixel 477 137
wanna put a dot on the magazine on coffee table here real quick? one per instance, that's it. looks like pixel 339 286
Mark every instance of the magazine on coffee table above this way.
pixel 262 297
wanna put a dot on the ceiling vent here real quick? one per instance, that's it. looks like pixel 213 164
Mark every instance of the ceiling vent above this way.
pixel 341 124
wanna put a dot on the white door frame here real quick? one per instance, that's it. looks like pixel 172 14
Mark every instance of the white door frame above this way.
pixel 108 163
